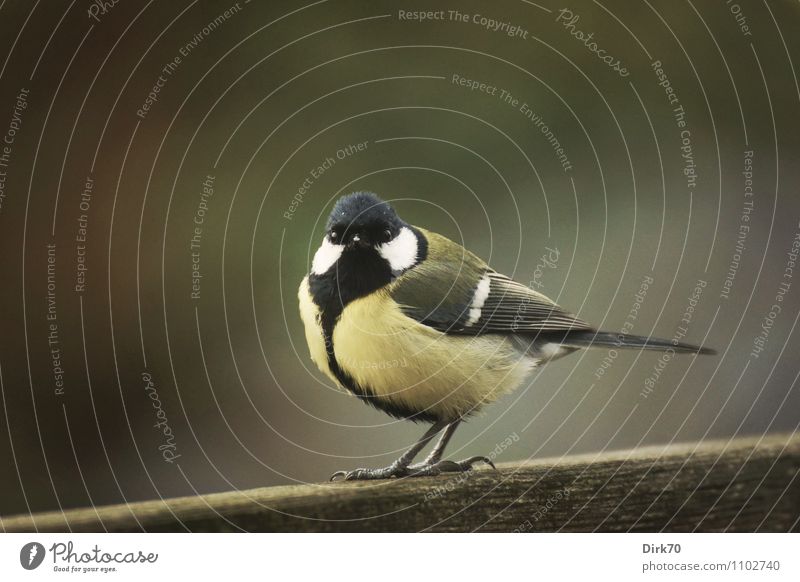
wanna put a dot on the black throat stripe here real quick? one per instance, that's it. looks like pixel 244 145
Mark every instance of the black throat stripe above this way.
pixel 355 275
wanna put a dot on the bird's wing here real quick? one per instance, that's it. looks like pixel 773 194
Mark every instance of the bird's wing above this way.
pixel 454 291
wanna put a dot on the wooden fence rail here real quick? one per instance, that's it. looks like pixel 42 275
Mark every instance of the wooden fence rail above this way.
pixel 747 484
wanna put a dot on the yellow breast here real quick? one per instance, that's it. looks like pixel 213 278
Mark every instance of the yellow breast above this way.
pixel 410 364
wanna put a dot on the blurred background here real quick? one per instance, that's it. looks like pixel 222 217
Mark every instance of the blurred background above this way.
pixel 167 167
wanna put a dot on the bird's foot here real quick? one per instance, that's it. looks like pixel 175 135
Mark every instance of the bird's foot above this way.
pixel 427 469
pixel 392 470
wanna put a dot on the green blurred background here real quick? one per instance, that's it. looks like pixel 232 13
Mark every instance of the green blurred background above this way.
pixel 265 93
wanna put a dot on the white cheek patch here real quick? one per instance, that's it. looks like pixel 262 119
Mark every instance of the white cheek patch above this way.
pixel 481 293
pixel 326 256
pixel 401 251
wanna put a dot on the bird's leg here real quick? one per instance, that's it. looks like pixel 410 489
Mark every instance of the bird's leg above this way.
pixel 400 467
pixel 433 465
pixel 438 449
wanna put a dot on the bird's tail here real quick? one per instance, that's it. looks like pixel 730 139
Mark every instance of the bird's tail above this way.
pixel 595 339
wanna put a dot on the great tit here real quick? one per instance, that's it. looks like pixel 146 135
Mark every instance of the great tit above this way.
pixel 422 329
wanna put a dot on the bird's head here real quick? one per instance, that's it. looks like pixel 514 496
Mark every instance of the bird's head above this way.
pixel 362 221
pixel 364 229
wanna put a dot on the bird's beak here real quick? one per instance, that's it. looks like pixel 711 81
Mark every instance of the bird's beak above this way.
pixel 359 241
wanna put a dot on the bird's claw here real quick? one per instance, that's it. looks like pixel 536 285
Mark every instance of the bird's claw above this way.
pixel 365 474
pixel 338 474
pixel 419 470
pixel 447 466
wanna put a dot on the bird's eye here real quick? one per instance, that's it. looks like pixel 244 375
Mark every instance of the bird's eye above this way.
pixel 387 235
pixel 333 235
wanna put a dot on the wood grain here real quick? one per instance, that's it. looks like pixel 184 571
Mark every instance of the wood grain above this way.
pixel 747 484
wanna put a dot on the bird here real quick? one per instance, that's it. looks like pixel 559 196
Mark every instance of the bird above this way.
pixel 419 327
